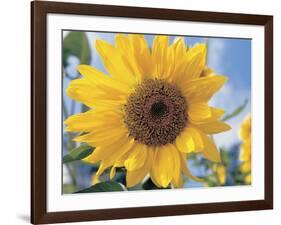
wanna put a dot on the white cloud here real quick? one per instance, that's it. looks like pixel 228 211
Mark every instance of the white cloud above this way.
pixel 228 98
pixel 216 51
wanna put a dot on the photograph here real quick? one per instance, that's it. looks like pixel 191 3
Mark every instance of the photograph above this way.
pixel 147 112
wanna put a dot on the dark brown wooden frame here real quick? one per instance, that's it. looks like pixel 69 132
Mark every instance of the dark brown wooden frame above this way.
pixel 40 9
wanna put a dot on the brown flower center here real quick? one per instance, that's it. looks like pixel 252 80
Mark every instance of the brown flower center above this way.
pixel 155 113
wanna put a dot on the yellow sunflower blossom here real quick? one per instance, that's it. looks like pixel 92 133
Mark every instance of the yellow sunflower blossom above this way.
pixel 245 149
pixel 221 173
pixel 150 112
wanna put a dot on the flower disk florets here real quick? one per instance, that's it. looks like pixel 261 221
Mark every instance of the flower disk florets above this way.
pixel 155 112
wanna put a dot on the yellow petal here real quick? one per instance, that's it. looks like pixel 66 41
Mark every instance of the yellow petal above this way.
pixel 112 172
pixel 100 79
pixel 221 173
pixel 180 48
pixel 136 158
pixel 177 180
pixel 80 122
pixel 186 170
pixel 195 62
pixel 175 60
pixel 215 115
pixel 119 162
pixel 119 150
pixel 159 55
pixel 87 93
pixel 210 150
pixel 199 111
pixel 134 177
pixel 98 120
pixel 174 54
pixel 213 127
pixel 100 137
pixel 92 73
pixel 189 140
pixel 123 44
pixel 114 63
pixel 103 166
pixel 246 167
pixel 245 130
pixel 99 130
pixel 82 91
pixel 163 166
pixel 201 90
pixel 245 153
pixel 207 72
pixel 170 64
pixel 111 150
pixel 142 54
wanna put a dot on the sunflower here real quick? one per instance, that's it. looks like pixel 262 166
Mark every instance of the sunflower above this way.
pixel 220 172
pixel 245 150
pixel 150 111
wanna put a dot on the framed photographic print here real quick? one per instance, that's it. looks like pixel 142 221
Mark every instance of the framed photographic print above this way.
pixel 143 112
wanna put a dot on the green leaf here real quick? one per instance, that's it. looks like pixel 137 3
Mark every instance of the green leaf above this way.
pixel 106 186
pixel 211 180
pixel 238 110
pixel 225 157
pixel 78 153
pixel 76 44
pixel 68 188
pixel 149 185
